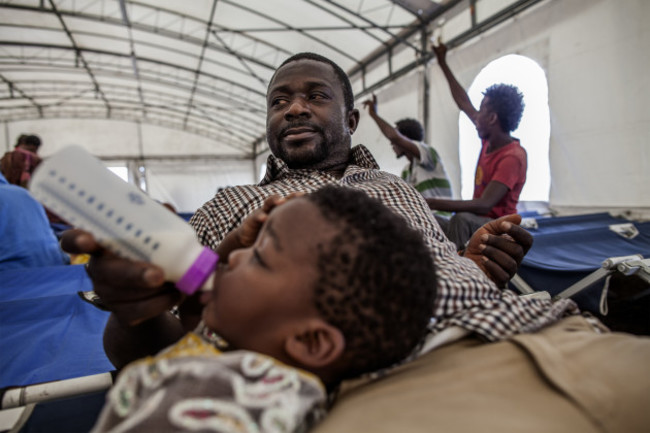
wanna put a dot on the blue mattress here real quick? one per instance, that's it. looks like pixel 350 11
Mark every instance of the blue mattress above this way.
pixel 567 249
pixel 47 332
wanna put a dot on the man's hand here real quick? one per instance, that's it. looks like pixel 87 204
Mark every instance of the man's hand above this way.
pixel 440 50
pixel 252 225
pixel 498 248
pixel 371 104
pixel 133 291
pixel 245 235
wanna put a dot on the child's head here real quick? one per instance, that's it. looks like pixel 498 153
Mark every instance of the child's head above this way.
pixel 336 284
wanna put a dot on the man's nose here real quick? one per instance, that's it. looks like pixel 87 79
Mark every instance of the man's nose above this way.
pixel 297 108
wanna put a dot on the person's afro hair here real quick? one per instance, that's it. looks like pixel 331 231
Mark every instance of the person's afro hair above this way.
pixel 508 104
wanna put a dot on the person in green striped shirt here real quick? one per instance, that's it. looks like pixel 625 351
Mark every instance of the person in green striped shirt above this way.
pixel 424 171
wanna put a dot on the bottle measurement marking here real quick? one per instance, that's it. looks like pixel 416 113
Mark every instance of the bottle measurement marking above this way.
pixel 85 213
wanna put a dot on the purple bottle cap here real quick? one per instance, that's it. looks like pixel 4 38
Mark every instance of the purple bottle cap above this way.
pixel 200 270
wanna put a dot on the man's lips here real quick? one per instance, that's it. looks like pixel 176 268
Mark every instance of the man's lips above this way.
pixel 299 133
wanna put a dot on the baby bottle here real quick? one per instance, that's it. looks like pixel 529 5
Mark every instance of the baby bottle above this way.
pixel 78 187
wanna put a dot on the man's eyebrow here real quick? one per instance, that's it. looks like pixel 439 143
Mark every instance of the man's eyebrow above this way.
pixel 286 88
pixel 273 234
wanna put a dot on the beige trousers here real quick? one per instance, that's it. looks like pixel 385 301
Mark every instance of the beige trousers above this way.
pixel 565 378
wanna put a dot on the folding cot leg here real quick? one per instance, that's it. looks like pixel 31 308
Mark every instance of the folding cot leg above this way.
pixel 521 285
pixel 608 267
pixel 24 395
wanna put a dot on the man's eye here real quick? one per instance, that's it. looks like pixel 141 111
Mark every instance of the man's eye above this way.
pixel 317 96
pixel 277 101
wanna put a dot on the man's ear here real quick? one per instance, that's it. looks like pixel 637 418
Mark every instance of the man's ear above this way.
pixel 316 344
pixel 353 120
pixel 494 119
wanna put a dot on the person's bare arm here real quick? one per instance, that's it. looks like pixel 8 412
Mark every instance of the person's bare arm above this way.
pixel 123 344
pixel 390 132
pixel 457 91
pixel 137 296
pixel 493 193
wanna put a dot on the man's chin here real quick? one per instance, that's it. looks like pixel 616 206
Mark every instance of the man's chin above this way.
pixel 302 155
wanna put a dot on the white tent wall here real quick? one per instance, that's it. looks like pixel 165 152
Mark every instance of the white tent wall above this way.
pixel 186 182
pixel 99 137
pixel 595 55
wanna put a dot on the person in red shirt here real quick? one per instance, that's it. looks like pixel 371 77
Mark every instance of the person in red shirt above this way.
pixel 501 167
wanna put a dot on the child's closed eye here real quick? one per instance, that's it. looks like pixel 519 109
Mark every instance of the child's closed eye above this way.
pixel 258 258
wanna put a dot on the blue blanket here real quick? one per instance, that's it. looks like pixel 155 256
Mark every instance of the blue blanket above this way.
pixel 47 332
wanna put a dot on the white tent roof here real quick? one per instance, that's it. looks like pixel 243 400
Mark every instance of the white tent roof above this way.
pixel 200 66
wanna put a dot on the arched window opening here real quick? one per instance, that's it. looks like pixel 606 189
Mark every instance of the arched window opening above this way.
pixel 534 130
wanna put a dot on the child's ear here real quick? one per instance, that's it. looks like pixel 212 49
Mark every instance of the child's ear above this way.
pixel 317 344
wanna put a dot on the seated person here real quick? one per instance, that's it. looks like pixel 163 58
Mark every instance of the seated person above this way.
pixel 18 165
pixel 501 167
pixel 336 285
pixel 27 238
pixel 424 170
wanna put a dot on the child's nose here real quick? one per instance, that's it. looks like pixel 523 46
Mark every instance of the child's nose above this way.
pixel 235 257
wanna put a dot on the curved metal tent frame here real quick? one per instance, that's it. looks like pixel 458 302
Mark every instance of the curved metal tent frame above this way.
pixel 203 66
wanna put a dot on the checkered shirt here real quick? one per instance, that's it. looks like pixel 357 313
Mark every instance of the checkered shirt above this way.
pixel 466 296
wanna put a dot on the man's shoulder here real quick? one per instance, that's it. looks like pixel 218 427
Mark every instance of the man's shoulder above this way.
pixel 514 150
pixel 521 150
pixel 362 157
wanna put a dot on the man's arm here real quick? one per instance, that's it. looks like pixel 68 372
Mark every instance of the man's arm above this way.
pixel 493 193
pixel 140 323
pixel 138 297
pixel 390 132
pixel 457 91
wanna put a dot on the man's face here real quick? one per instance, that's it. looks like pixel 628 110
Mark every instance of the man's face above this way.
pixel 29 147
pixel 307 124
pixel 484 119
pixel 267 289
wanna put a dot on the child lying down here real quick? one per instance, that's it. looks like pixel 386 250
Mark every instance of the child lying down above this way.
pixel 317 289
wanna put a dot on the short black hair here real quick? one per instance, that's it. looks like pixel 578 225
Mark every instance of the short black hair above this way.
pixel 508 103
pixel 410 128
pixel 20 140
pixel 344 80
pixel 377 282
pixel 30 139
pixel 33 140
